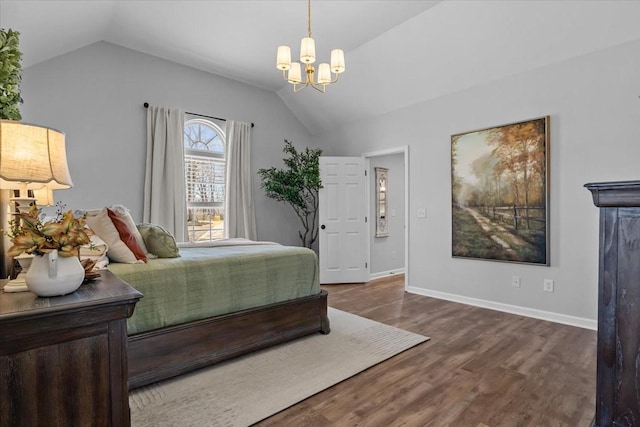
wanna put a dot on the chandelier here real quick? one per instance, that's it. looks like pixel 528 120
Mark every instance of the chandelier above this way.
pixel 292 71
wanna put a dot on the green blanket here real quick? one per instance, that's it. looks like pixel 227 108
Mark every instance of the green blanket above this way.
pixel 206 282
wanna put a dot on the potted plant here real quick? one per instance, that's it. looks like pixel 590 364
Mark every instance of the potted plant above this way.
pixel 55 244
pixel 10 75
pixel 297 185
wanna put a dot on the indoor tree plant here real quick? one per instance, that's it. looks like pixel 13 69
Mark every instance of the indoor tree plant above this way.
pixel 10 75
pixel 298 185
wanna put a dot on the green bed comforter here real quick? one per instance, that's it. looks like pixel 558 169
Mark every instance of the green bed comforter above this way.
pixel 209 281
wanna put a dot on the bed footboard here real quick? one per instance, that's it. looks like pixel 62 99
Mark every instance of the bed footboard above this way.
pixel 164 353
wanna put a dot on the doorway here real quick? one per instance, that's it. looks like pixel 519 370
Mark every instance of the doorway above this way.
pixel 388 228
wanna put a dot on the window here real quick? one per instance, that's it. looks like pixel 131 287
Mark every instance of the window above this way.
pixel 205 165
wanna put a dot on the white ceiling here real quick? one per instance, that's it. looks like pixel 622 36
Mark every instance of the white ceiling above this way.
pixel 236 39
pixel 398 53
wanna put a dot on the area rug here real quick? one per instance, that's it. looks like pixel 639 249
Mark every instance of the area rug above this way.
pixel 248 389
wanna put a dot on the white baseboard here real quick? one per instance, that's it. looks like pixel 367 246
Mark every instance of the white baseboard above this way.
pixel 513 309
pixel 374 276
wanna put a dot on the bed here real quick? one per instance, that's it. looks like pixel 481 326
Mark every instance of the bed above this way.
pixel 215 303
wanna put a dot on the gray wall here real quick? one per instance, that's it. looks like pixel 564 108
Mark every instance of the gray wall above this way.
pixel 387 253
pixel 95 95
pixel 595 136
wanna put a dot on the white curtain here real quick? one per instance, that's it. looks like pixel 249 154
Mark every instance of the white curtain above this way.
pixel 240 217
pixel 164 188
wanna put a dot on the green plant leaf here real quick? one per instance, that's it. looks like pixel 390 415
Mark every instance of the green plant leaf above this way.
pixel 10 75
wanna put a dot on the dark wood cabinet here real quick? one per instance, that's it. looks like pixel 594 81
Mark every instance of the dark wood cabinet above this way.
pixel 618 372
pixel 63 360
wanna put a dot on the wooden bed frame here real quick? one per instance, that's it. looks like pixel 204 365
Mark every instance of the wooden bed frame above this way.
pixel 164 353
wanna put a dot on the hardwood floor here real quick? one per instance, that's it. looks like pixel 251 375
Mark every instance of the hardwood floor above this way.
pixel 481 368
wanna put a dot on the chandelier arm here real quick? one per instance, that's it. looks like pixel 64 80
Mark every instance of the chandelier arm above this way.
pixel 323 89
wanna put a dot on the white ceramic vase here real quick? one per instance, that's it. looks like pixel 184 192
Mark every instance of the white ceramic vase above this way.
pixel 51 275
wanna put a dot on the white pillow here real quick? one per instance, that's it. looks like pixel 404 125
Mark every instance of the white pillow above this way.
pixel 117 250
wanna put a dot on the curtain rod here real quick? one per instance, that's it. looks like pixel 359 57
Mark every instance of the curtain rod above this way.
pixel 146 105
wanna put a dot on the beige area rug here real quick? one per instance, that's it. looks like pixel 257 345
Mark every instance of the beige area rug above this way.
pixel 248 389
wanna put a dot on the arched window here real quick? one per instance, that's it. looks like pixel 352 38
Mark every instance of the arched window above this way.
pixel 204 164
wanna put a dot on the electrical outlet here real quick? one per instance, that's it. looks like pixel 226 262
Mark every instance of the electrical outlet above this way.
pixel 548 285
pixel 515 281
pixel 422 213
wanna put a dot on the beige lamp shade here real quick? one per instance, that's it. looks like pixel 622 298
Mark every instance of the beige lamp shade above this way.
pixel 283 61
pixel 44 197
pixel 337 61
pixel 295 73
pixel 308 50
pixel 32 155
pixel 324 73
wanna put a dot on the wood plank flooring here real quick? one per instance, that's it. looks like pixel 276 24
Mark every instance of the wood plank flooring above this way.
pixel 481 368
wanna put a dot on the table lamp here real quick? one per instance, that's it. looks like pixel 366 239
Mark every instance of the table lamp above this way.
pixel 34 158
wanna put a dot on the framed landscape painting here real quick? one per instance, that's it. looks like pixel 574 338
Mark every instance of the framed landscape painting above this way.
pixel 500 193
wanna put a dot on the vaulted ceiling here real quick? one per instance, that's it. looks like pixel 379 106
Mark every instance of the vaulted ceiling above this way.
pixel 398 53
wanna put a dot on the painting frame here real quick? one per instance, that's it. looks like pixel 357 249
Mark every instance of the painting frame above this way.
pixel 500 192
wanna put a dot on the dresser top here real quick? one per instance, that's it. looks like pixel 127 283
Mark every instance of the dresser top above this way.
pixel 615 194
pixel 108 289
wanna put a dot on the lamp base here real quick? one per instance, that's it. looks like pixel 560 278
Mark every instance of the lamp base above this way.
pixel 19 284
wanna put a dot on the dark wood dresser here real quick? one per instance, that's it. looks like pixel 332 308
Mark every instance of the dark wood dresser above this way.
pixel 618 372
pixel 63 360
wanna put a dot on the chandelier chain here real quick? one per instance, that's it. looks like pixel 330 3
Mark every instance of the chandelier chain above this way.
pixel 309 17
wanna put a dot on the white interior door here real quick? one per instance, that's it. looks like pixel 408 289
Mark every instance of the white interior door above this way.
pixel 343 234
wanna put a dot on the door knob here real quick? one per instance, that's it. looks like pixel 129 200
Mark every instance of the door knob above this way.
pixel 323 226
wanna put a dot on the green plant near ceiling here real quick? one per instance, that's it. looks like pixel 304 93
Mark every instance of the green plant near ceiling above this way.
pixel 297 185
pixel 10 75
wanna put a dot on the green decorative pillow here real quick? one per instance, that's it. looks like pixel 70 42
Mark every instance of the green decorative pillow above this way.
pixel 159 241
